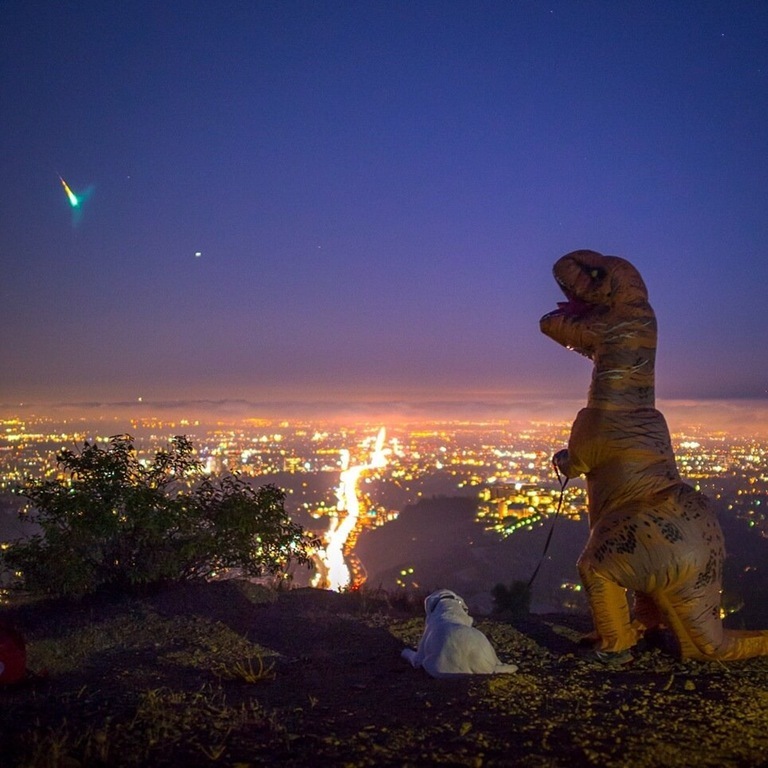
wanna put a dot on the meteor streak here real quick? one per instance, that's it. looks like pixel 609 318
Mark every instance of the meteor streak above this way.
pixel 74 200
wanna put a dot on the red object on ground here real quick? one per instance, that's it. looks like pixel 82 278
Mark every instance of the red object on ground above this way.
pixel 13 656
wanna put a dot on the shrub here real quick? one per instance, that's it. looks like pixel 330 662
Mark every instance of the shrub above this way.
pixel 115 522
pixel 514 599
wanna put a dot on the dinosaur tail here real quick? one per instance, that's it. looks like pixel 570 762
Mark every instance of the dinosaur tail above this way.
pixel 701 634
pixel 743 644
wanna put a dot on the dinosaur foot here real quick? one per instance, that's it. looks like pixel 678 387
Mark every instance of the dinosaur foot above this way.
pixel 613 658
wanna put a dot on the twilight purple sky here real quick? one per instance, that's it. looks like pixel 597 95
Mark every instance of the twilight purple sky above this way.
pixel 377 190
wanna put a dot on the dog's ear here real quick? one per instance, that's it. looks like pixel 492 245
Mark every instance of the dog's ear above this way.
pixel 433 600
pixel 431 603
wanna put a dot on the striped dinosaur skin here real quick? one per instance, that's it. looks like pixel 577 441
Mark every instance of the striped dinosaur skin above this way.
pixel 649 531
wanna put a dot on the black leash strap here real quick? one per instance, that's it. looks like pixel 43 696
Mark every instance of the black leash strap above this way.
pixel 563 482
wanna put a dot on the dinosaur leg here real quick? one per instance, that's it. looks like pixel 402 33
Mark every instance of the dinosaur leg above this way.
pixel 610 610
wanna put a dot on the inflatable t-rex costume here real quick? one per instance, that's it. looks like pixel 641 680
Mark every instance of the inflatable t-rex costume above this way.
pixel 649 531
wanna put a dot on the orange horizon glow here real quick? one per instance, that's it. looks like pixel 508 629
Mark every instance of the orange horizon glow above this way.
pixel 735 418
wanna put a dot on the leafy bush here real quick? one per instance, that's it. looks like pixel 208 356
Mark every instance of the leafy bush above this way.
pixel 514 599
pixel 115 522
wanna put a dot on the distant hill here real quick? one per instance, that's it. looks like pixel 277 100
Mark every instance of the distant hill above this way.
pixel 439 539
pixel 745 577
pixel 10 526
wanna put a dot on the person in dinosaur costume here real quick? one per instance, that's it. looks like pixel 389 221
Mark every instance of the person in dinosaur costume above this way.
pixel 649 531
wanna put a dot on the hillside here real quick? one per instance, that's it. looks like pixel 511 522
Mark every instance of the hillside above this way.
pixel 229 674
pixel 438 541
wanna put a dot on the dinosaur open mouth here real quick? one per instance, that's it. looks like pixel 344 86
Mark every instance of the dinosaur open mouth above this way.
pixel 573 307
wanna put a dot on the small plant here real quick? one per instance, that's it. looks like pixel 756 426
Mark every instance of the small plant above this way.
pixel 112 521
pixel 245 671
pixel 514 599
pixel 214 753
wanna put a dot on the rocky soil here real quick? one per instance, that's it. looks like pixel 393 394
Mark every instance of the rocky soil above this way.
pixel 229 674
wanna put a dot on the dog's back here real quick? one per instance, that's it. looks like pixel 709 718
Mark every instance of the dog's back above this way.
pixel 450 645
pixel 464 650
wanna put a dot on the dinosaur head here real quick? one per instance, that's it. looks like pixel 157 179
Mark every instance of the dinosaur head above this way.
pixel 607 317
pixel 600 292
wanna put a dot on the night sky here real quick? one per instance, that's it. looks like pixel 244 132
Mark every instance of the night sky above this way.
pixel 346 201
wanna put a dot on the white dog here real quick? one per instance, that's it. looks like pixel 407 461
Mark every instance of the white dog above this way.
pixel 450 645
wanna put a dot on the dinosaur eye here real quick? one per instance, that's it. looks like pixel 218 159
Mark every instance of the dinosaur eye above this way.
pixel 596 273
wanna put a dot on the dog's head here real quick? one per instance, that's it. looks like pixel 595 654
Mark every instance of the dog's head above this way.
pixel 444 601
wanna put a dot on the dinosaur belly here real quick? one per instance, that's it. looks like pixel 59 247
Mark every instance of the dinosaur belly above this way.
pixel 626 456
pixel 669 542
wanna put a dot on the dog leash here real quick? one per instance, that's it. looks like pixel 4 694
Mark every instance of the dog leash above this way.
pixel 563 480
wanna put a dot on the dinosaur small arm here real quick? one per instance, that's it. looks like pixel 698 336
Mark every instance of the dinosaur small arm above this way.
pixel 650 532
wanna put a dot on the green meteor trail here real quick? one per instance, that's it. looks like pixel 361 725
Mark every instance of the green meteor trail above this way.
pixel 74 200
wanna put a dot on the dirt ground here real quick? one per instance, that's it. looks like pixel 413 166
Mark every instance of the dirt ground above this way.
pixel 229 674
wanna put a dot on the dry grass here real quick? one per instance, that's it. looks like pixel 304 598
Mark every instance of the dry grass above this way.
pixel 228 675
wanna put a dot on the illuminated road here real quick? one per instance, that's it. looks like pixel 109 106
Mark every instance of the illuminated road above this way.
pixel 333 572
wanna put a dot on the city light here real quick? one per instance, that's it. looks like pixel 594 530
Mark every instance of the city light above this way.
pixel 333 571
pixel 341 482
